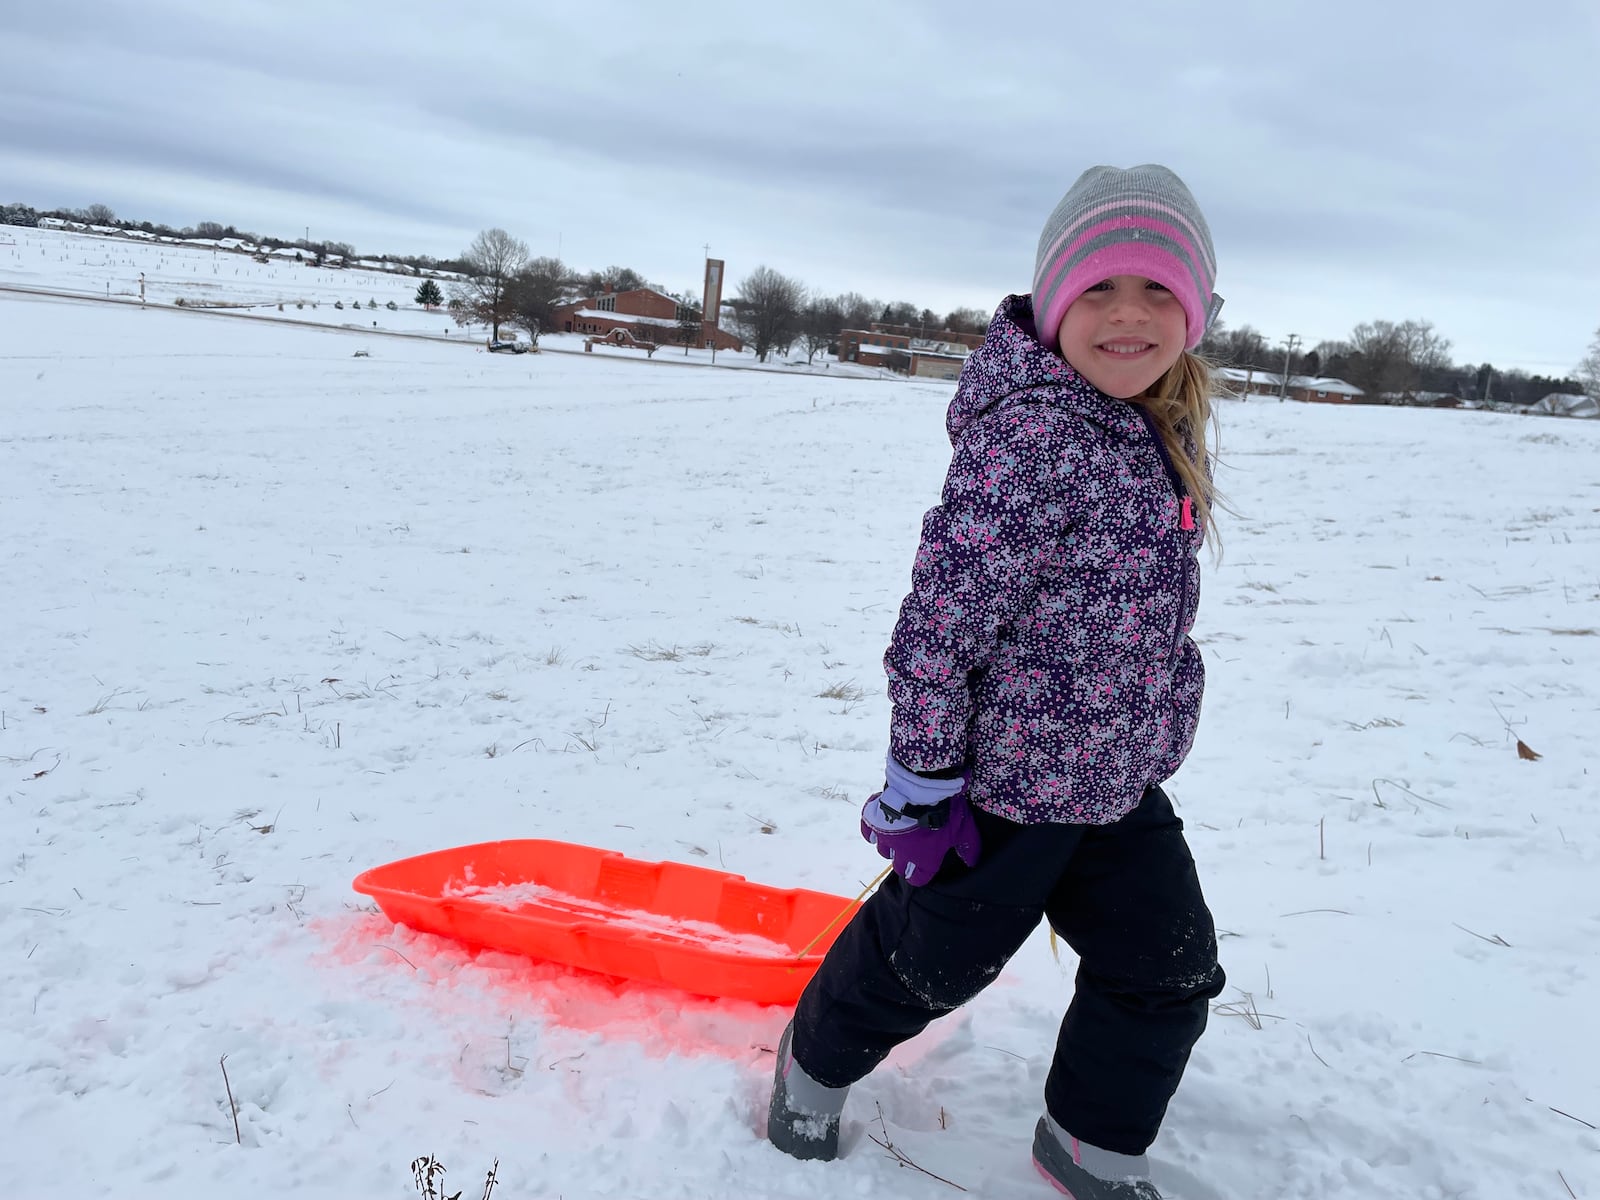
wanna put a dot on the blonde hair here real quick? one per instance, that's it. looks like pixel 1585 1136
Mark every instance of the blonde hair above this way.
pixel 1179 404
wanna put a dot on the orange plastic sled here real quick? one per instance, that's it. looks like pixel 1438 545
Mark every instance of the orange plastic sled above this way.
pixel 704 931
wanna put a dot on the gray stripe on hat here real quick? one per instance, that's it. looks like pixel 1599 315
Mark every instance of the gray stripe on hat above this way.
pixel 1132 188
pixel 1117 237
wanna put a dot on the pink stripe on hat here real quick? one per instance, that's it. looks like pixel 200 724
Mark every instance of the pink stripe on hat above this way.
pixel 1061 259
pixel 1199 239
pixel 1139 221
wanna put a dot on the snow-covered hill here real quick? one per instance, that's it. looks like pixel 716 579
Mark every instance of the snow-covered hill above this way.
pixel 275 613
pixel 351 298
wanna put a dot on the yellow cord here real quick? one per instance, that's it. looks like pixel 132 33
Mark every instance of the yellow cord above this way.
pixel 843 912
pixel 1055 945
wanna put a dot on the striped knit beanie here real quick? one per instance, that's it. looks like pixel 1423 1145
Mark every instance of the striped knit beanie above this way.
pixel 1141 221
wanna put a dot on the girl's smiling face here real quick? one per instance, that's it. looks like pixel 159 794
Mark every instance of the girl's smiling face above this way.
pixel 1123 334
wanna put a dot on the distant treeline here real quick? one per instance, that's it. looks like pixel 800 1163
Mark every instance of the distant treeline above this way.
pixel 100 214
pixel 1394 361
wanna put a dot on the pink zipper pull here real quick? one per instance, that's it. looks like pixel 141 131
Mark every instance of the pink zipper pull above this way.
pixel 1188 513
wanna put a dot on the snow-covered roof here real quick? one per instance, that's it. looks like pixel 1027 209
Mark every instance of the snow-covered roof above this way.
pixel 1325 385
pixel 625 318
pixel 1318 383
pixel 1245 374
pixel 1565 404
pixel 932 346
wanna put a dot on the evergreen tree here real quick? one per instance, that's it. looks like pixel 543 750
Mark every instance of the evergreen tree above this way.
pixel 429 295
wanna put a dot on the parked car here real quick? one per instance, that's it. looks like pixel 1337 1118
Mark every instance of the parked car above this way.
pixel 508 346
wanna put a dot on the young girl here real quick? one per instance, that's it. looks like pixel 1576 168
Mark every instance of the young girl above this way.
pixel 1043 685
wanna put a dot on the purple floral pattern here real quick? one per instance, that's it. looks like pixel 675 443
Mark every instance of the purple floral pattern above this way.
pixel 1044 643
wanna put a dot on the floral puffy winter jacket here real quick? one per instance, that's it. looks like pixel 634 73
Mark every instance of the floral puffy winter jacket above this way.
pixel 1044 644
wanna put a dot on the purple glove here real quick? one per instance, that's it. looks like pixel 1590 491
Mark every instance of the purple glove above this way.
pixel 915 821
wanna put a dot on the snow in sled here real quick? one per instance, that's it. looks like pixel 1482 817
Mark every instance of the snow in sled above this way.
pixel 704 931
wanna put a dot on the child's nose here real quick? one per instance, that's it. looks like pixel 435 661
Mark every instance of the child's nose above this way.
pixel 1131 306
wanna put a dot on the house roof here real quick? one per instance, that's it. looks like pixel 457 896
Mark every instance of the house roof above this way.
pixel 1566 404
pixel 1319 383
pixel 1324 384
pixel 625 318
pixel 1245 374
pixel 644 291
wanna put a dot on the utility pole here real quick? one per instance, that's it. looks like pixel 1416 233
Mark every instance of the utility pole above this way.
pixel 1290 344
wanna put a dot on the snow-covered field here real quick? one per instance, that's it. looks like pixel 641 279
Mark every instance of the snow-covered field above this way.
pixel 275 614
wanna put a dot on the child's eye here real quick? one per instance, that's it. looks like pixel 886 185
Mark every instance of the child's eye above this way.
pixel 1103 286
pixel 1157 286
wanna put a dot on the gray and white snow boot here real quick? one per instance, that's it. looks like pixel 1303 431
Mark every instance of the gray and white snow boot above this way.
pixel 803 1118
pixel 1084 1172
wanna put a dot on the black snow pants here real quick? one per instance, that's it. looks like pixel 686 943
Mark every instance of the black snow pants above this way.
pixel 1124 896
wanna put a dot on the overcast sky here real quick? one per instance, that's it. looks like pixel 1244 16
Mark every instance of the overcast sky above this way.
pixel 1360 160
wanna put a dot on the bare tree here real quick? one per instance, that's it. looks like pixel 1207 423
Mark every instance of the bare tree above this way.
pixel 100 214
pixel 1423 347
pixel 769 309
pixel 490 264
pixel 613 279
pixel 1390 359
pixel 536 291
pixel 857 312
pixel 819 326
pixel 967 320
pixel 1588 372
pixel 687 332
pixel 1241 347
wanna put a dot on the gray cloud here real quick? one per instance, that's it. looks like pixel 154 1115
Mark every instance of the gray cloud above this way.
pixel 1354 164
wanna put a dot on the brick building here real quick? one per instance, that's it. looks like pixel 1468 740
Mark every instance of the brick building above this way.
pixel 1247 382
pixel 647 314
pixel 1325 391
pixel 939 354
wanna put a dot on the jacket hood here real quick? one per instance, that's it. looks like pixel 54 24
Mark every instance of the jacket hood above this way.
pixel 1013 366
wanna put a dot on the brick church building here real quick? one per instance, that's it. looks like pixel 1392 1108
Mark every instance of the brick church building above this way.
pixel 649 315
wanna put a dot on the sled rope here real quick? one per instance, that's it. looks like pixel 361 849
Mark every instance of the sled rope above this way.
pixel 884 874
